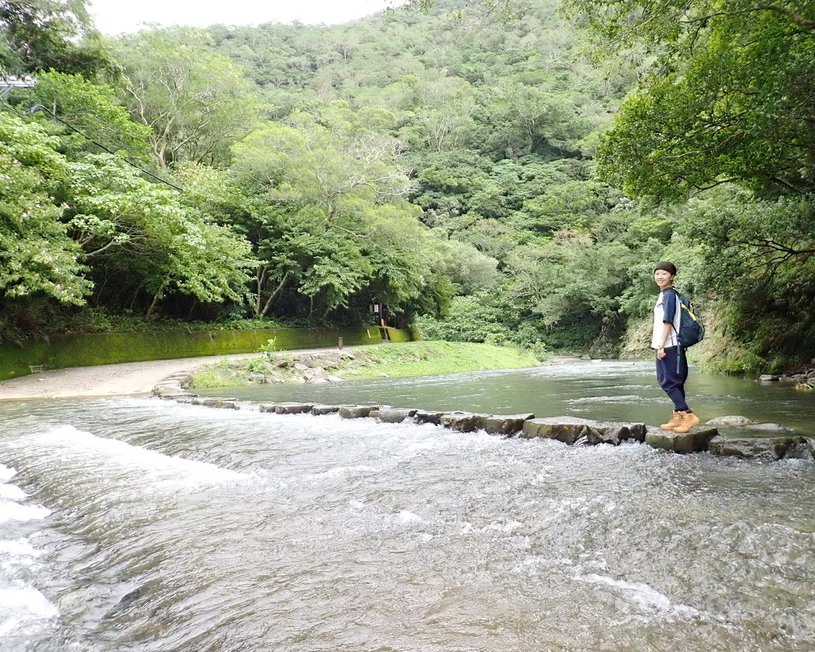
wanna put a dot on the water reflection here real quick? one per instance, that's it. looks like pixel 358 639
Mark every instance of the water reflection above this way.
pixel 605 390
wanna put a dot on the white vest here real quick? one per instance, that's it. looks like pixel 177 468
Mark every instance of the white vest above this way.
pixel 659 314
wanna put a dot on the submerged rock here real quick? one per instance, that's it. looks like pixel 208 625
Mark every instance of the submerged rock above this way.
pixel 287 408
pixel 320 410
pixel 768 427
pixel 695 441
pixel 228 404
pixel 771 448
pixel 423 416
pixel 393 415
pixel 733 420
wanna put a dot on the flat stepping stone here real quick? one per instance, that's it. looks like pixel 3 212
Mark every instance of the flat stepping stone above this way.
pixel 695 441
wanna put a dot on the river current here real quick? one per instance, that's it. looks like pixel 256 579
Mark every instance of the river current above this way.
pixel 136 524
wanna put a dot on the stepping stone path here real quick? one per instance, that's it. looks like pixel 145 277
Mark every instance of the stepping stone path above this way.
pixel 568 430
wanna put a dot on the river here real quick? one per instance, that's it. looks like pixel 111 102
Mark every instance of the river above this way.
pixel 136 524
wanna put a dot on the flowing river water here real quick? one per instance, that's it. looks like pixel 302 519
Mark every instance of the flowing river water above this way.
pixel 137 524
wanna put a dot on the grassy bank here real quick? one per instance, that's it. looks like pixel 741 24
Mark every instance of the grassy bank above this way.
pixel 394 360
pixel 431 358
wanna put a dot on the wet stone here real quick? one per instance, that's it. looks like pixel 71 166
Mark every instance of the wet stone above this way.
pixel 512 424
pixel 289 408
pixel 319 410
pixel 731 420
pixel 695 441
pixel 463 421
pixel 357 411
pixel 769 448
pixel 228 404
pixel 568 433
pixel 393 415
pixel 612 435
pixel 423 416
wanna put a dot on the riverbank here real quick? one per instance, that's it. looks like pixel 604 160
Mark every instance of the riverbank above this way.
pixel 395 360
pixel 124 379
pixel 135 378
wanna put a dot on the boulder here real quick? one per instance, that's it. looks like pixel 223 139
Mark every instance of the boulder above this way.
pixel 638 432
pixel 324 409
pixel 768 427
pixel 769 448
pixel 228 404
pixel 393 415
pixel 423 416
pixel 769 377
pixel 613 435
pixel 287 408
pixel 304 359
pixel 168 387
pixel 256 378
pixel 568 433
pixel 357 411
pixel 695 441
pixel 463 421
pixel 596 432
pixel 733 420
pixel 498 424
pixel 315 375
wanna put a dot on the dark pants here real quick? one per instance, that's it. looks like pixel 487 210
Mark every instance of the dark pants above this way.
pixel 672 372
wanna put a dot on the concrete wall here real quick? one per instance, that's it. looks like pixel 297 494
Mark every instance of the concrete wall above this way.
pixel 110 348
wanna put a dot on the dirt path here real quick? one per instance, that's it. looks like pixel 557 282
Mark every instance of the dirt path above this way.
pixel 103 380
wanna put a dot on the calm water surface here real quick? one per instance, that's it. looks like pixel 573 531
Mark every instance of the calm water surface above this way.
pixel 144 525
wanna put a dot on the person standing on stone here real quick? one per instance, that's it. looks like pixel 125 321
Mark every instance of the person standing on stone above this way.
pixel 671 362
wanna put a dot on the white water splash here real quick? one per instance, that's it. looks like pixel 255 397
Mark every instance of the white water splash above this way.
pixel 10 511
pixel 155 467
pixel 22 606
pixel 644 597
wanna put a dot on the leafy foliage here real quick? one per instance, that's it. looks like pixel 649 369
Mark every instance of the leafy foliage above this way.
pixel 42 35
pixel 36 253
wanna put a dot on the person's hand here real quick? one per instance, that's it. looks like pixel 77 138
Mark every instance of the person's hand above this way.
pixel 661 352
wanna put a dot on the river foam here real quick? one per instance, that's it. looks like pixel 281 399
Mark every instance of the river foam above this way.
pixel 23 608
pixel 154 468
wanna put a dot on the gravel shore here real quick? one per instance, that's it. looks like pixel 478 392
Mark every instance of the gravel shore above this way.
pixel 129 378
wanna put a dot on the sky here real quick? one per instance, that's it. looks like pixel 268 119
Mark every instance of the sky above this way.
pixel 118 16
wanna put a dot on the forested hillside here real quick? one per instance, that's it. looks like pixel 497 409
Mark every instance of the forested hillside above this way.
pixel 451 165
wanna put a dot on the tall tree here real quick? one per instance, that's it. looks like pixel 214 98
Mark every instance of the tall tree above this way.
pixel 37 256
pixel 196 103
pixel 41 35
pixel 730 96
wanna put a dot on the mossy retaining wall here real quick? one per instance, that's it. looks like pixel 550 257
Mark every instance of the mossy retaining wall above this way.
pixel 110 348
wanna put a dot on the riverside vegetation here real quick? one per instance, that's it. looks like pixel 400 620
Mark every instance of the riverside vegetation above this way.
pixel 489 172
pixel 389 360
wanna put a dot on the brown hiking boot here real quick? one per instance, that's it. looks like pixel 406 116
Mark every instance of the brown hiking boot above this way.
pixel 689 420
pixel 676 420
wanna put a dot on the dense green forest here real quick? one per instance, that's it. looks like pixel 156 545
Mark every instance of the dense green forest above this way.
pixel 487 171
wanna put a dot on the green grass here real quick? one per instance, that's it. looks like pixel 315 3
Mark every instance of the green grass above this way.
pixel 432 358
pixel 218 376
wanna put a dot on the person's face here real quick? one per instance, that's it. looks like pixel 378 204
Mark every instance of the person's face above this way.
pixel 663 279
